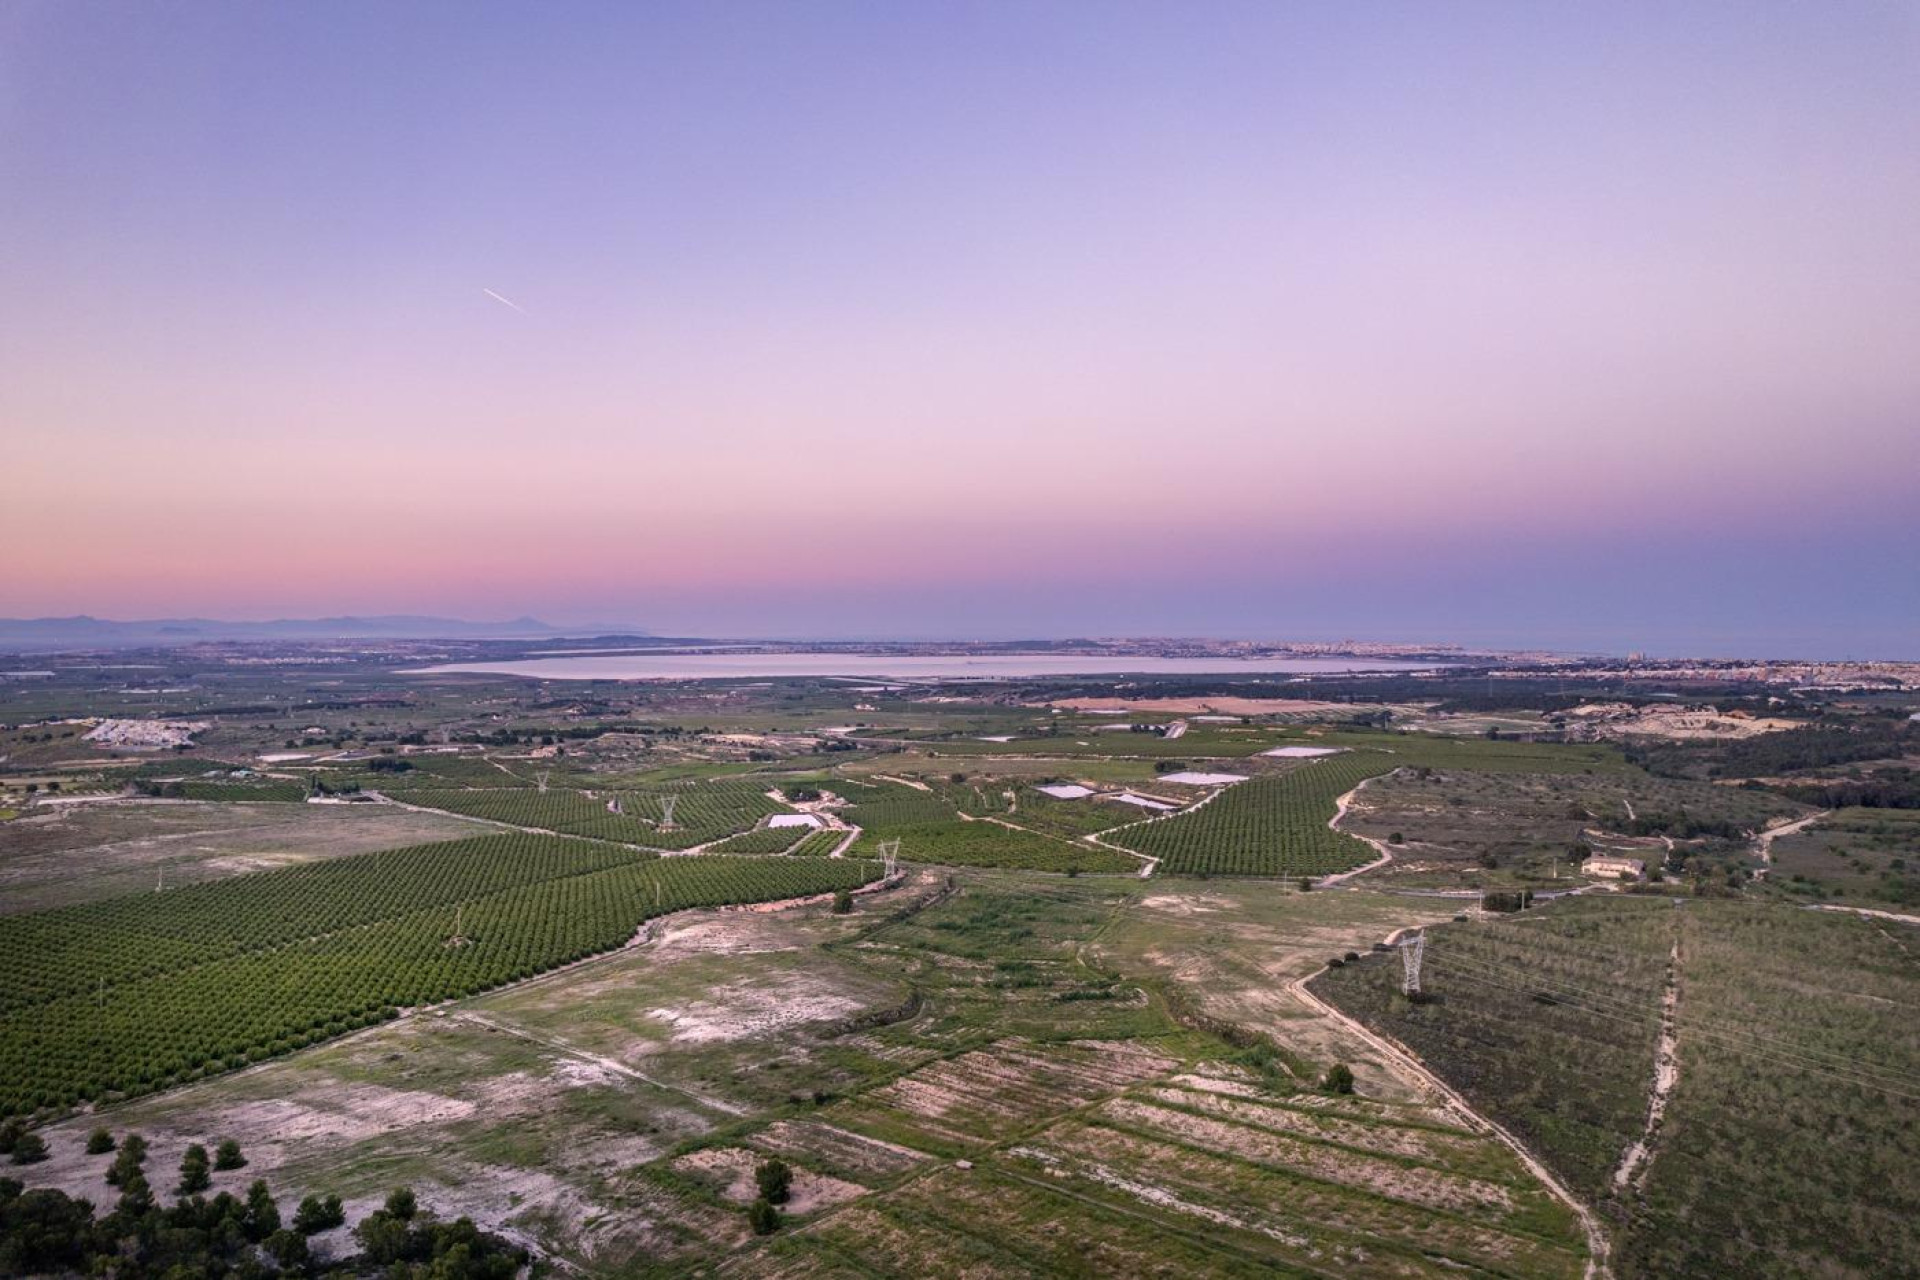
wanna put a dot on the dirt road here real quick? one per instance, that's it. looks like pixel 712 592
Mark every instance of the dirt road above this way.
pixel 1340 807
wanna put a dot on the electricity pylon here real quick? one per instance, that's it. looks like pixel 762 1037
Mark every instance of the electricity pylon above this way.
pixel 1412 951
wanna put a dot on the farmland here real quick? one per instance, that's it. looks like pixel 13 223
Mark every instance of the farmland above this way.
pixel 128 995
pixel 1797 1071
pixel 701 812
pixel 930 827
pixel 1270 826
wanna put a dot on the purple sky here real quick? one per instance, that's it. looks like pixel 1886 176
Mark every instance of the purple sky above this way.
pixel 1595 327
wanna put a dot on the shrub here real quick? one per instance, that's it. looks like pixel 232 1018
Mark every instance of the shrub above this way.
pixel 763 1217
pixel 316 1215
pixel 99 1142
pixel 29 1148
pixel 402 1204
pixel 1339 1079
pixel 775 1180
pixel 227 1155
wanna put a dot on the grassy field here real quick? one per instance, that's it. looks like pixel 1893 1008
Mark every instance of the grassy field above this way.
pixel 1789 1145
pixel 1870 857
pixel 52 857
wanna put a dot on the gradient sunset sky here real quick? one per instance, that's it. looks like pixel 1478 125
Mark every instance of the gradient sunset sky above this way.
pixel 1591 326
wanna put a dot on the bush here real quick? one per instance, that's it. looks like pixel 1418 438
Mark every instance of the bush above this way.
pixel 763 1217
pixel 99 1142
pixel 29 1148
pixel 842 902
pixel 227 1156
pixel 402 1204
pixel 1339 1079
pixel 775 1180
pixel 316 1215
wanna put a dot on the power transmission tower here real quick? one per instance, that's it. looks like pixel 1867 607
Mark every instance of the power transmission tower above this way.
pixel 541 780
pixel 1412 951
pixel 666 812
pixel 889 858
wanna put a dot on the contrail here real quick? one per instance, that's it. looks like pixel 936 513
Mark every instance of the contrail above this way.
pixel 507 302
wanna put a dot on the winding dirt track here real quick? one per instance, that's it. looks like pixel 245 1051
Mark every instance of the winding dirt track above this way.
pixel 1409 1068
pixel 1340 807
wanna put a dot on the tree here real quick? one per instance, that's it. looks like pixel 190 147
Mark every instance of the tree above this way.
pixel 125 1166
pixel 1339 1079
pixel 135 1147
pixel 227 1155
pixel 402 1204
pixel 263 1215
pixel 29 1148
pixel 289 1249
pixel 316 1215
pixel 9 1135
pixel 842 903
pixel 99 1142
pixel 763 1218
pixel 775 1180
pixel 136 1197
pixel 194 1175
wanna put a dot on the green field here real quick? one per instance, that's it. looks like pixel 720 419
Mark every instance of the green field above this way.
pixel 134 994
pixel 1270 826
pixel 930 829
pixel 702 812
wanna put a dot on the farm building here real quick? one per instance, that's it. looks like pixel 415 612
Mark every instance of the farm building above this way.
pixel 1613 868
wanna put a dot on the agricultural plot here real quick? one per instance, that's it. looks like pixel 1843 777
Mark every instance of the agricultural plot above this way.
pixel 84 853
pixel 1040 812
pixel 1271 826
pixel 764 840
pixel 989 844
pixel 1788 1145
pixel 817 844
pixel 701 812
pixel 282 792
pixel 131 995
pixel 1146 1172
pixel 1479 755
pixel 1865 856
pixel 930 829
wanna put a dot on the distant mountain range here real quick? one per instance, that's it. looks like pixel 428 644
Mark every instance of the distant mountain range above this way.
pixel 86 632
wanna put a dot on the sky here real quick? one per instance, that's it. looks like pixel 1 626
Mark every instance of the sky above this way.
pixel 1591 327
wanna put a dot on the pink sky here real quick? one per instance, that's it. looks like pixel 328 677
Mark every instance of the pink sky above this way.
pixel 881 303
